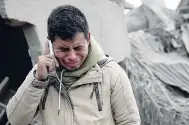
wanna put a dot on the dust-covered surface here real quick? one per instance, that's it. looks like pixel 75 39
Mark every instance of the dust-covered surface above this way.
pixel 159 66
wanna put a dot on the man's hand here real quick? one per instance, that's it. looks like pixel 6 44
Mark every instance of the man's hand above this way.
pixel 46 63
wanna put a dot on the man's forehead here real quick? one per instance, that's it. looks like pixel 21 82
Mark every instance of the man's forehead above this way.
pixel 69 43
pixel 73 44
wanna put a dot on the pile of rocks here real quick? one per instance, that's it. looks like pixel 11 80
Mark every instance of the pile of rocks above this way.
pixel 158 67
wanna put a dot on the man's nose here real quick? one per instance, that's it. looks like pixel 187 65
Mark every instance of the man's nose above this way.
pixel 72 55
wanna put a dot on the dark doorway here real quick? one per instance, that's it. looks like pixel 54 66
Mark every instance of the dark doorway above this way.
pixel 15 61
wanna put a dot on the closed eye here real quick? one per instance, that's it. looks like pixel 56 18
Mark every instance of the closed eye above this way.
pixel 63 49
pixel 78 48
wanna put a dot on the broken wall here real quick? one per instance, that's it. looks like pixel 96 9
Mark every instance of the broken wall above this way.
pixel 106 21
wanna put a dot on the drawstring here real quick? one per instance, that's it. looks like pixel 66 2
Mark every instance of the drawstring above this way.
pixel 59 89
pixel 59 92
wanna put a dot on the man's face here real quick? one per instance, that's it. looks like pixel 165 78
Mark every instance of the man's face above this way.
pixel 71 53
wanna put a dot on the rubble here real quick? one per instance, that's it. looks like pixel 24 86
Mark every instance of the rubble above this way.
pixel 123 4
pixel 158 67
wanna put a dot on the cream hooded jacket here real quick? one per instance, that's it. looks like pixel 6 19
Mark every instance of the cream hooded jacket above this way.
pixel 103 96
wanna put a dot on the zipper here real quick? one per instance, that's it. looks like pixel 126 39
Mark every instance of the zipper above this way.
pixel 45 96
pixel 72 115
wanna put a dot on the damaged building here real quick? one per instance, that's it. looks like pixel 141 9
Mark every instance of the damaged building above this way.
pixel 23 31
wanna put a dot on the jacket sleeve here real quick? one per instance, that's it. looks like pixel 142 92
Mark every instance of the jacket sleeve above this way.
pixel 22 106
pixel 124 107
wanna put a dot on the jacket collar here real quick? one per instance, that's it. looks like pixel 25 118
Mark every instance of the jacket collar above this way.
pixel 93 75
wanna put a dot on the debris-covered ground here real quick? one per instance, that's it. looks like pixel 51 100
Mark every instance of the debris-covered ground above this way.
pixel 158 67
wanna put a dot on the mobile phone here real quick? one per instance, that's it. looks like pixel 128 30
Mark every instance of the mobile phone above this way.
pixel 51 48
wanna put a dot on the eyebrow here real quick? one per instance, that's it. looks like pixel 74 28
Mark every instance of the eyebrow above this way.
pixel 63 47
pixel 77 45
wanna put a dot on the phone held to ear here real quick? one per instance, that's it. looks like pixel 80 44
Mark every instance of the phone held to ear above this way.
pixel 51 48
pixel 60 80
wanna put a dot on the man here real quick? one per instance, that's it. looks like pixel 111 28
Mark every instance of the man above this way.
pixel 79 85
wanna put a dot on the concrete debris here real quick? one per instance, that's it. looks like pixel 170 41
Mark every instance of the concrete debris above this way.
pixel 157 3
pixel 160 81
pixel 123 4
pixel 183 3
pixel 151 17
pixel 158 67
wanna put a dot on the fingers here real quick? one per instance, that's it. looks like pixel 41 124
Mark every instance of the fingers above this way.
pixel 50 65
pixel 53 58
pixel 46 64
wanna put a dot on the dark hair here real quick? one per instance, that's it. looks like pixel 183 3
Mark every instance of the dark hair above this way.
pixel 65 22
